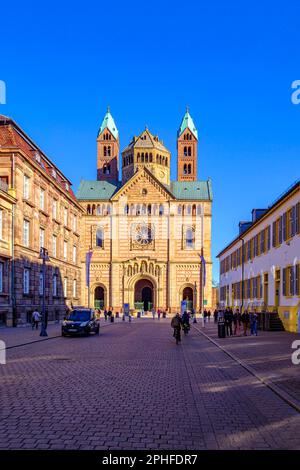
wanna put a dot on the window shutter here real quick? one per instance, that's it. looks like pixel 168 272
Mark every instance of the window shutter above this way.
pixel 281 222
pixel 297 279
pixel 269 237
pixel 274 234
pixel 297 209
pixel 284 226
pixel 284 281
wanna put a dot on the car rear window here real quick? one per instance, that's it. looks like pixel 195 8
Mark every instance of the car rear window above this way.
pixel 79 315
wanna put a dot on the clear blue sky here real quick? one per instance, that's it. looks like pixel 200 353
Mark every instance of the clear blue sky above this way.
pixel 232 62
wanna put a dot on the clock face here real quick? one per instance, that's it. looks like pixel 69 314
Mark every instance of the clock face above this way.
pixel 143 234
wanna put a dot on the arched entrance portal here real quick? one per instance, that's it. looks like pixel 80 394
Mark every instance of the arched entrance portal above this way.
pixel 143 294
pixel 187 295
pixel 99 297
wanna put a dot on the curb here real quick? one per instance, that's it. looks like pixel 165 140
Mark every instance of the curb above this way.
pixel 267 382
pixel 48 338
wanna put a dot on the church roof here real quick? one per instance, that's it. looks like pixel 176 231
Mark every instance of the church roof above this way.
pixel 186 190
pixel 192 190
pixel 97 190
pixel 146 140
pixel 109 123
pixel 187 123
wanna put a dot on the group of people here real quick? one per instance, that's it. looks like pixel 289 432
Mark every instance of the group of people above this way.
pixel 179 322
pixel 237 322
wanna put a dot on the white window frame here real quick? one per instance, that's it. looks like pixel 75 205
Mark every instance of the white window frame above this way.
pixel 42 199
pixel 26 187
pixel 26 281
pixel 65 216
pixel 65 250
pixel 54 209
pixel 26 232
pixel 74 253
pixel 54 246
pixel 54 285
pixel 74 288
pixel 42 237
pixel 65 287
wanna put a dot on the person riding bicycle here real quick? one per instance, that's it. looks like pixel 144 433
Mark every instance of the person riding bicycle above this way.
pixel 185 319
pixel 176 325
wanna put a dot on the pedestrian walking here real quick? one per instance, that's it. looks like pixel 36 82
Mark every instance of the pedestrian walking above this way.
pixel 245 321
pixel 153 313
pixel 216 316
pixel 176 325
pixel 236 322
pixel 253 323
pixel 158 314
pixel 105 314
pixel 205 313
pixel 228 316
pixel 208 315
pixel 35 318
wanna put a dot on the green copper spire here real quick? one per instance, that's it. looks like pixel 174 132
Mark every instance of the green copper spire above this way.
pixel 187 123
pixel 109 123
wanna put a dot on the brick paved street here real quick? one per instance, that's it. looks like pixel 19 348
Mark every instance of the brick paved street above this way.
pixel 133 388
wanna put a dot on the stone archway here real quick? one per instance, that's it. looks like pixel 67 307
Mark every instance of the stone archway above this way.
pixel 144 294
pixel 187 293
pixel 99 297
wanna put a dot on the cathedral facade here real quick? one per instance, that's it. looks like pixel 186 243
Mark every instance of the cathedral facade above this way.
pixel 145 240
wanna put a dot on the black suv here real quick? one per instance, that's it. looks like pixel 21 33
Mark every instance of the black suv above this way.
pixel 80 322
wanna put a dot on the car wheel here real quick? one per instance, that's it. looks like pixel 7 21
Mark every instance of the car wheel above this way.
pixel 63 333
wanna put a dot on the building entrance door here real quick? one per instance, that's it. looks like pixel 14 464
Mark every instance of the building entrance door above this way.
pixel 143 295
pixel 99 297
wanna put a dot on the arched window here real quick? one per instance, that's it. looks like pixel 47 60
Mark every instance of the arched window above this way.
pixel 149 209
pixel 99 211
pixel 179 209
pixel 88 209
pixel 189 238
pixel 146 157
pixel 185 151
pixel 185 169
pixel 105 150
pixel 161 209
pixel 138 210
pixel 144 209
pixel 108 210
pixel 194 209
pixel 199 210
pixel 189 151
pixel 93 209
pixel 189 169
pixel 160 159
pixel 99 237
pixel 109 151
pixel 167 161
pixel 150 158
pixel 126 209
pixel 157 159
pixel 138 158
pixel 189 210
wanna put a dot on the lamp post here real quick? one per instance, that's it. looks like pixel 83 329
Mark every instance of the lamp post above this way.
pixel 45 257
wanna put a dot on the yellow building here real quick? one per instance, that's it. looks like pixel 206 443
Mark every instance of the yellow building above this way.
pixel 147 235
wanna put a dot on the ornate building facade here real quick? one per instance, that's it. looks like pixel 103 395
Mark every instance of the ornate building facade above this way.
pixel 45 214
pixel 148 236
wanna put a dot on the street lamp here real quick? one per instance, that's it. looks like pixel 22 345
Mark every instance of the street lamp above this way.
pixel 45 257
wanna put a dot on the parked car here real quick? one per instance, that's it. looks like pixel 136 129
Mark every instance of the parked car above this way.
pixel 81 321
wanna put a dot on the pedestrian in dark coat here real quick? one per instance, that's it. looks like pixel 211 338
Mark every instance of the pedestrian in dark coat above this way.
pixel 245 320
pixel 228 321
